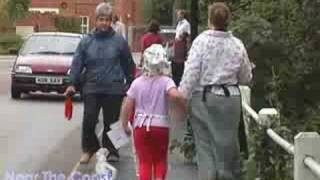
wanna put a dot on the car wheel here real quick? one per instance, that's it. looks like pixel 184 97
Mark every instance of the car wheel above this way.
pixel 15 94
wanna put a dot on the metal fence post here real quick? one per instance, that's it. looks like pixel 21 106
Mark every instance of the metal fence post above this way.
pixel 266 115
pixel 246 97
pixel 306 144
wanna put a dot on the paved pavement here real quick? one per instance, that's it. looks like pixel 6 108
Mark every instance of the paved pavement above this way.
pixel 178 168
pixel 7 57
pixel 37 140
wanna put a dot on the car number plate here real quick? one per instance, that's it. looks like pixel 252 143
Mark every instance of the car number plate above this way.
pixel 48 80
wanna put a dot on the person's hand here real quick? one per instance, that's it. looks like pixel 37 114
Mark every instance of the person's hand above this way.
pixel 70 91
pixel 126 128
pixel 181 110
pixel 184 105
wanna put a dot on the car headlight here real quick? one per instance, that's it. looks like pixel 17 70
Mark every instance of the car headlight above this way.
pixel 23 69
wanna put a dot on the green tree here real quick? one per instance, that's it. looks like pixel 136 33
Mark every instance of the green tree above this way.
pixel 160 10
pixel 18 9
pixel 283 40
pixel 67 24
pixel 4 17
pixel 194 18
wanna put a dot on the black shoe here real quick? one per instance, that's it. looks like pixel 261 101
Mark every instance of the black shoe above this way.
pixel 113 157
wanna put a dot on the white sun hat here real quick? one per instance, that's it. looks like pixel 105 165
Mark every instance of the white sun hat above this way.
pixel 156 61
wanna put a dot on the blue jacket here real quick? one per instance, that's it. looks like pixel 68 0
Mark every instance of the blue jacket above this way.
pixel 102 64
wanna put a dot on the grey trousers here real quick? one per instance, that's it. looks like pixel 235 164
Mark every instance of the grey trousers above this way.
pixel 215 126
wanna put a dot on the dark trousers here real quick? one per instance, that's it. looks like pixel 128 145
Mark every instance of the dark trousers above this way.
pixel 110 105
pixel 177 71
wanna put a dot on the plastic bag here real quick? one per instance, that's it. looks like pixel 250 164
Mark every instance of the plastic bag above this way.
pixel 104 170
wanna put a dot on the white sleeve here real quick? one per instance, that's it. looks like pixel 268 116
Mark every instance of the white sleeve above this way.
pixel 191 75
pixel 245 73
pixel 187 27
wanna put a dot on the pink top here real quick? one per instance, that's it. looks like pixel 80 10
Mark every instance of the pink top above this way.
pixel 151 99
pixel 150 94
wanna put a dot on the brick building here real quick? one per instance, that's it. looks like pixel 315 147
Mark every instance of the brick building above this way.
pixel 43 13
pixel 130 11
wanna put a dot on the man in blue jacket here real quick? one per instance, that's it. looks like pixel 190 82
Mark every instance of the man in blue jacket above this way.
pixel 104 60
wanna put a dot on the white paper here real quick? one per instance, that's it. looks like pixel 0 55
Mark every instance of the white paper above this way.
pixel 116 125
pixel 118 136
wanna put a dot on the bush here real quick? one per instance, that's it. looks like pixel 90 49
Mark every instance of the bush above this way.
pixel 68 24
pixel 10 41
pixel 282 40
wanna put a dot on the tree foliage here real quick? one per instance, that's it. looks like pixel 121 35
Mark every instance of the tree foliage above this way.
pixel 9 41
pixel 282 38
pixel 68 24
pixel 4 17
pixel 159 10
pixel 18 9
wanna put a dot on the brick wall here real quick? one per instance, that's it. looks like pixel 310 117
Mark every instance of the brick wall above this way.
pixel 130 11
pixel 134 37
pixel 67 8
pixel 40 21
pixel 45 3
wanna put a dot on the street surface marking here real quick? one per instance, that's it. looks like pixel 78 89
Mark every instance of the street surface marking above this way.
pixel 99 136
pixel 73 170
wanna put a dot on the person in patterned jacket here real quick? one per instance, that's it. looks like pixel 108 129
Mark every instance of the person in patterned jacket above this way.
pixel 216 65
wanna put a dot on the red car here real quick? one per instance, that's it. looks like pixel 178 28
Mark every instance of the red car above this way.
pixel 43 63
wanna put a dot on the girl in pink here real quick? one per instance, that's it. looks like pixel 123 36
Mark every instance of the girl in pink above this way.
pixel 150 94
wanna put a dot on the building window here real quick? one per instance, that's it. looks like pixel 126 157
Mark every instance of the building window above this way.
pixel 84 24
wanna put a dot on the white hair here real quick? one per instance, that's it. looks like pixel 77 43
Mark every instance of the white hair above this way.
pixel 104 9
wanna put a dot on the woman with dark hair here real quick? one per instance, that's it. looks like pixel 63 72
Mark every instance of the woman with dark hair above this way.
pixel 151 37
pixel 217 64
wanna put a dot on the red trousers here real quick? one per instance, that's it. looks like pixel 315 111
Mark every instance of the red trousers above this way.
pixel 152 151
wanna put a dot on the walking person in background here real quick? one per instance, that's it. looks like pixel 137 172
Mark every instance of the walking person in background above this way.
pixel 108 70
pixel 150 95
pixel 118 26
pixel 182 39
pixel 151 37
pixel 216 65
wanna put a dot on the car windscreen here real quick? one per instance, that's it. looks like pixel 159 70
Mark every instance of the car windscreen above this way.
pixel 50 44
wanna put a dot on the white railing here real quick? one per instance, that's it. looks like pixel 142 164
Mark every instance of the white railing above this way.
pixel 306 148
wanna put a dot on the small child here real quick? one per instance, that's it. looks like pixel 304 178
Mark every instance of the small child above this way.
pixel 149 94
